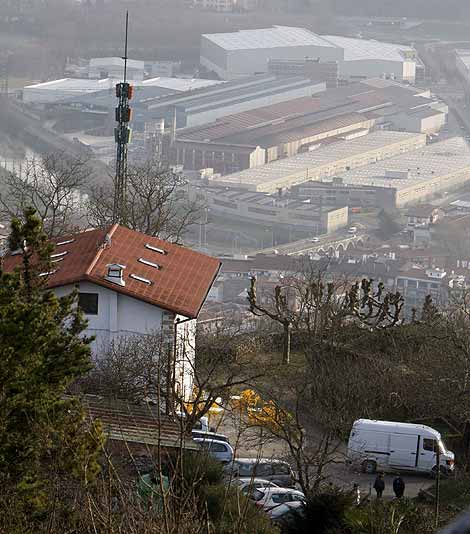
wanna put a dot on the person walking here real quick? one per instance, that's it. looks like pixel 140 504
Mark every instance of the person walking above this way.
pixel 399 487
pixel 379 485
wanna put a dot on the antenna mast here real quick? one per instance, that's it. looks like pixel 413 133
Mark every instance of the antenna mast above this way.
pixel 122 137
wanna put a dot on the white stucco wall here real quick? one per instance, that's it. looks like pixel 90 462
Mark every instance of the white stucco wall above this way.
pixel 117 314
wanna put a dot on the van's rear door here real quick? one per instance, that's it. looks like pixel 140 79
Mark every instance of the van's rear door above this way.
pixel 403 450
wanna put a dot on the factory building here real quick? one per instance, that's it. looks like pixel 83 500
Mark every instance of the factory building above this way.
pixel 270 210
pixel 247 52
pixel 406 179
pixel 369 59
pixel 253 138
pixel 245 140
pixel 325 71
pixel 113 67
pixel 328 161
pixel 206 105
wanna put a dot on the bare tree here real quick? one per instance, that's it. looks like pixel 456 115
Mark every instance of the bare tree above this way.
pixel 51 185
pixel 155 203
pixel 314 306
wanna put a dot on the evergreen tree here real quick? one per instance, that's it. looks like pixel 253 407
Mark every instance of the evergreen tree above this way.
pixel 42 351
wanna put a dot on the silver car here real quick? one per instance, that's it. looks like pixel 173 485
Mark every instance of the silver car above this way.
pixel 220 450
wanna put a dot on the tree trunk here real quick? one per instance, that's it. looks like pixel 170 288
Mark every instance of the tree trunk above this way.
pixel 286 352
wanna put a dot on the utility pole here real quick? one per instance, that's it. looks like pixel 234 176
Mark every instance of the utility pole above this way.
pixel 122 137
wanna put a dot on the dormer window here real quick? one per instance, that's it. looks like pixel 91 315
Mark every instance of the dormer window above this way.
pixel 115 273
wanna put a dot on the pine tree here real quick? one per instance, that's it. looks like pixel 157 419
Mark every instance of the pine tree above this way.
pixel 43 435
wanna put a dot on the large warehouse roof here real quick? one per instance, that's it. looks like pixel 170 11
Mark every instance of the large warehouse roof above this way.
pixel 275 174
pixel 275 37
pixel 363 49
pixel 427 163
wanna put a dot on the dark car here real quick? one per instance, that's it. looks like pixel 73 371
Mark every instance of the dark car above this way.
pixel 275 471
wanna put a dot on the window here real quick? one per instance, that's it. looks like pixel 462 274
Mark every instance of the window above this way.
pixel 88 303
pixel 429 445
pixel 281 469
pixel 280 498
pixel 263 470
pixel 244 470
pixel 217 447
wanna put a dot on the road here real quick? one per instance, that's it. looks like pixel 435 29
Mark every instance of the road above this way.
pixel 247 445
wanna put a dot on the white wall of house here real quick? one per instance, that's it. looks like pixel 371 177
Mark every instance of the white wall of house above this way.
pixel 118 314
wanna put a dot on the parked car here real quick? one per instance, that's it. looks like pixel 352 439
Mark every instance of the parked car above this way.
pixel 275 471
pixel 247 485
pixel 286 512
pixel 209 435
pixel 315 239
pixel 270 498
pixel 220 450
pixel 397 446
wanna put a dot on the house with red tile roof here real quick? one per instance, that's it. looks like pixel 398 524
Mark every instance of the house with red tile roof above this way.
pixel 132 284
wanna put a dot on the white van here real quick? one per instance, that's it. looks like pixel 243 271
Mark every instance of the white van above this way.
pixel 352 230
pixel 397 446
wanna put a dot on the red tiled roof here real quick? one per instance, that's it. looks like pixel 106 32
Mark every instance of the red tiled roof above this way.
pixel 180 284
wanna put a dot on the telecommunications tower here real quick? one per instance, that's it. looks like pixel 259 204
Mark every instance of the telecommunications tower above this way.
pixel 122 137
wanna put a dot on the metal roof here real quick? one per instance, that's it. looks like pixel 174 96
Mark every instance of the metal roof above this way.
pixel 275 37
pixel 309 162
pixel 363 49
pixel 423 165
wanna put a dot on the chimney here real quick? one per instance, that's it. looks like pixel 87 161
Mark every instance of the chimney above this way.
pixel 114 274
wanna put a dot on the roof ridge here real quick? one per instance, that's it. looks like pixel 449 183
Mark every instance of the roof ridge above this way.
pixel 110 233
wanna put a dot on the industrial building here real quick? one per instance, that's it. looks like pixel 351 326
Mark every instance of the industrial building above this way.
pixel 93 93
pixel 270 210
pixel 256 137
pixel 247 52
pixel 369 59
pixel 245 140
pixel 328 161
pixel 411 177
pixel 182 102
pixel 113 67
pixel 325 71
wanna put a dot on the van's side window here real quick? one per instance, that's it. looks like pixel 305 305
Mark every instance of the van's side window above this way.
pixel 429 444
pixel 281 469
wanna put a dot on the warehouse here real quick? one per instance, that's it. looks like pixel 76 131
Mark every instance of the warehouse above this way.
pixel 200 106
pixel 417 175
pixel 247 52
pixel 245 140
pixel 369 59
pixel 330 160
pixel 57 90
pixel 261 208
pixel 113 67
pixel 263 135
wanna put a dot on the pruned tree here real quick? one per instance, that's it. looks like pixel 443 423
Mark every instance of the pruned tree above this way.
pixel 155 203
pixel 313 306
pixel 52 185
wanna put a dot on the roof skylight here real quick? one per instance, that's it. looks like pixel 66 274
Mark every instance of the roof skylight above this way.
pixel 64 242
pixel 149 263
pixel 140 279
pixel 155 249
